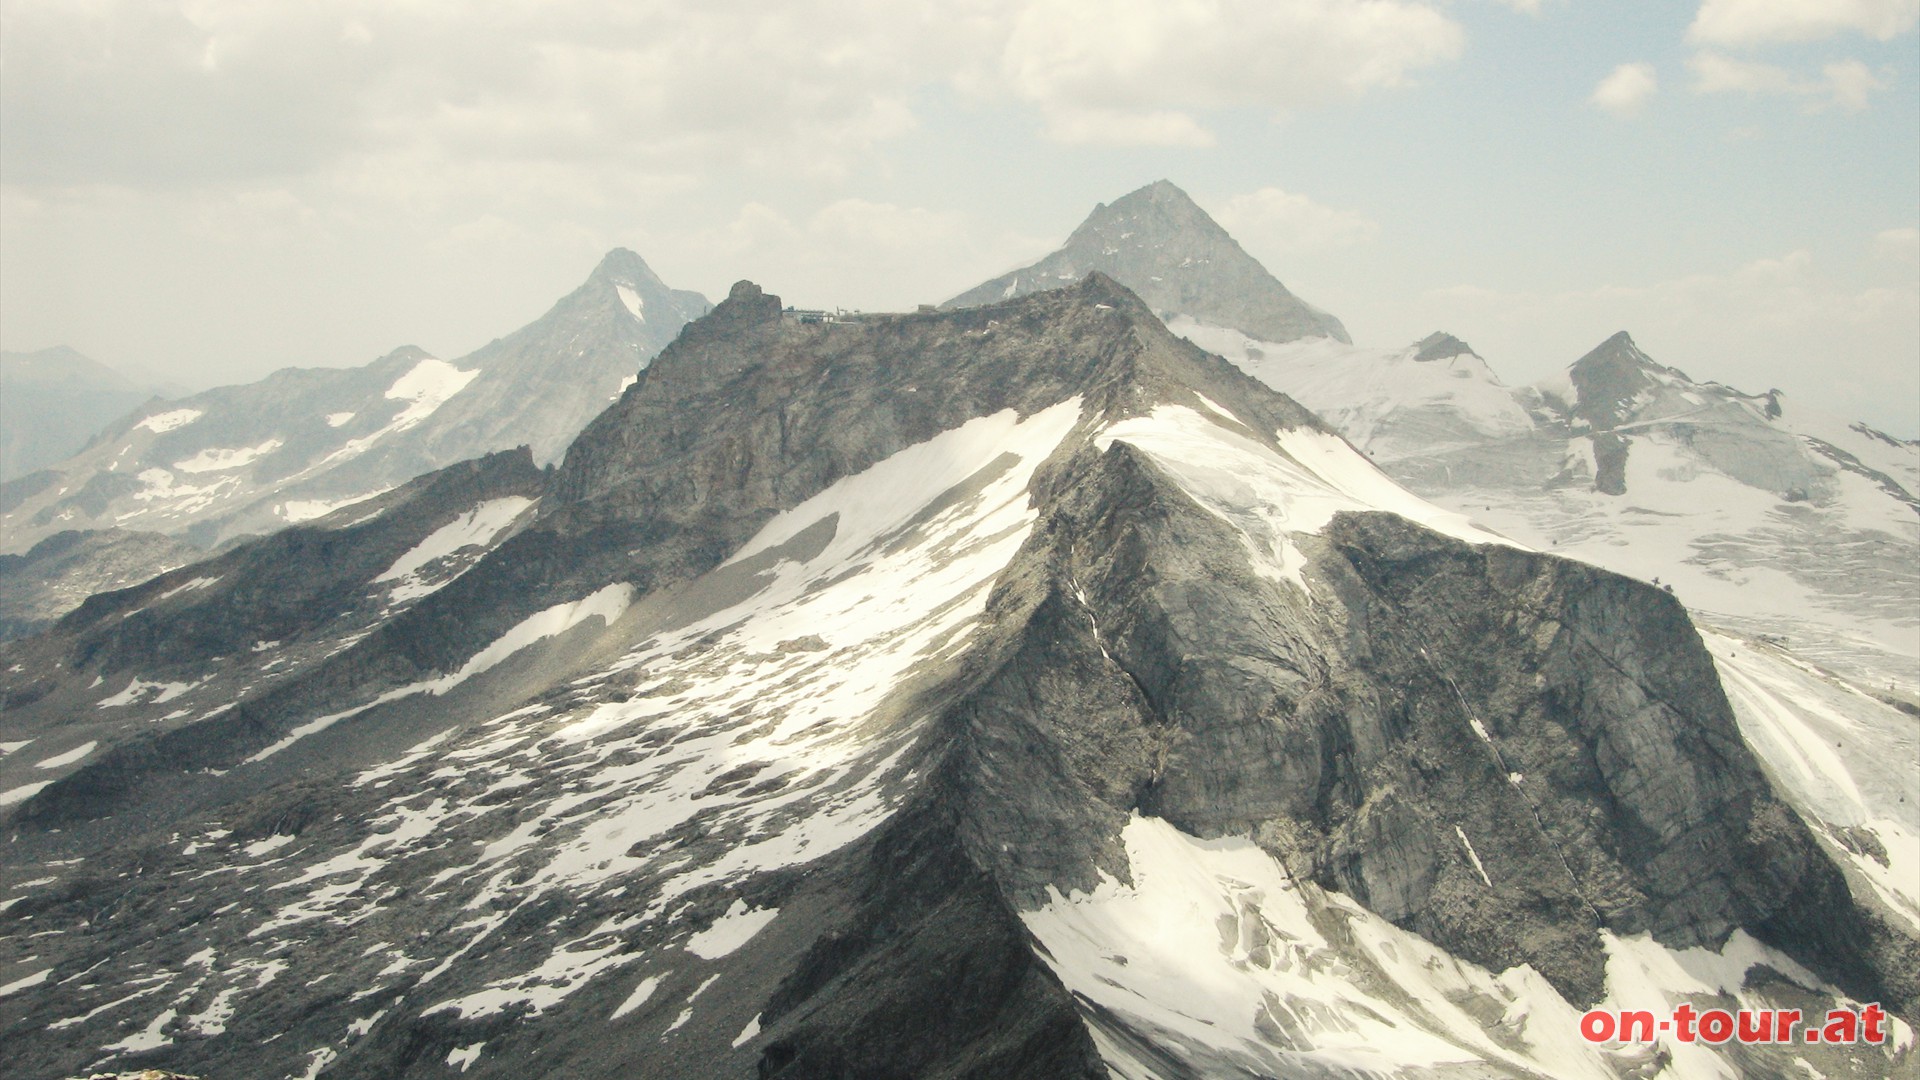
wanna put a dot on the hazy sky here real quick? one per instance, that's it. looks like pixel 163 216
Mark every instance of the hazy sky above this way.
pixel 212 189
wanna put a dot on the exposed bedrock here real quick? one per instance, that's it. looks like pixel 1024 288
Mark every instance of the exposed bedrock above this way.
pixel 1503 751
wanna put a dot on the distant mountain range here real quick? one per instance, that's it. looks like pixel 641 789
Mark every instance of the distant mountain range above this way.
pixel 300 443
pixel 52 401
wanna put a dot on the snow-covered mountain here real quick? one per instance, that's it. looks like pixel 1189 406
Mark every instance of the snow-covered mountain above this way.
pixel 1761 514
pixel 1158 243
pixel 52 401
pixel 253 458
pixel 1018 691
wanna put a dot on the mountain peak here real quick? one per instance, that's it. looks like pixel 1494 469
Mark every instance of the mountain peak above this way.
pixel 1440 345
pixel 1159 243
pixel 1160 198
pixel 622 266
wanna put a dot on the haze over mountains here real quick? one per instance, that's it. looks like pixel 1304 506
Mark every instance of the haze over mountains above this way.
pixel 249 459
pixel 53 400
pixel 1025 689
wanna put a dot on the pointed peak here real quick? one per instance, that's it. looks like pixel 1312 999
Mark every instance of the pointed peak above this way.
pixel 622 266
pixel 1616 354
pixel 1160 201
pixel 1440 345
pixel 1164 192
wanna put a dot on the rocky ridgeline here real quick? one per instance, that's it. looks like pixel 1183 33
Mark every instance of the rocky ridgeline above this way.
pixel 682 838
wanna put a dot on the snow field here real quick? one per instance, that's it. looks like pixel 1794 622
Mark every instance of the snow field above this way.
pixel 1269 495
pixel 1218 953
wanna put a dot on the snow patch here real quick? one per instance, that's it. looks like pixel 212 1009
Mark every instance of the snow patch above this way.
pixel 635 305
pixel 1224 960
pixel 160 423
pixel 298 510
pixel 430 384
pixel 730 931
pixel 26 983
pixel 476 528
pixel 215 460
pixel 196 583
pixel 339 419
pixel 22 793
pixel 638 998
pixel 67 758
pixel 1269 494
pixel 747 1033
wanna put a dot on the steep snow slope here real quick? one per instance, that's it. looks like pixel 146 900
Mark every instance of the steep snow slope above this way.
pixel 870 699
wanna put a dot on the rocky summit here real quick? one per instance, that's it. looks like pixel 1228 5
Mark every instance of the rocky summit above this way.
pixel 1158 243
pixel 1017 691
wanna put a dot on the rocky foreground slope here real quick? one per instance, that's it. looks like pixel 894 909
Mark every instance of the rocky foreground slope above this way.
pixel 1019 691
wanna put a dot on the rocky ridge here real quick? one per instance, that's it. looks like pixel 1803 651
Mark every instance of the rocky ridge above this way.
pixel 837 705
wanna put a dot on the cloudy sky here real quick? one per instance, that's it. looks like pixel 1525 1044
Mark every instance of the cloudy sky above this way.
pixel 212 189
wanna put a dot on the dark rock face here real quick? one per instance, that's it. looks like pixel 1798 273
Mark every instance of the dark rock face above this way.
pixel 1440 346
pixel 1610 788
pixel 1163 247
pixel 684 839
pixel 1608 379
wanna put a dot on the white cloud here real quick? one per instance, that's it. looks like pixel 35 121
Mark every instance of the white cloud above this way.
pixel 1626 89
pixel 1766 22
pixel 152 94
pixel 1851 84
pixel 1845 84
pixel 1902 245
pixel 132 92
pixel 1138 70
pixel 1277 222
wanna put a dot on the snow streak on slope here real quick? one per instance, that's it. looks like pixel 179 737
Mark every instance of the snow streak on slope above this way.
pixel 426 567
pixel 1215 961
pixel 756 718
pixel 1267 494
pixel 1842 757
